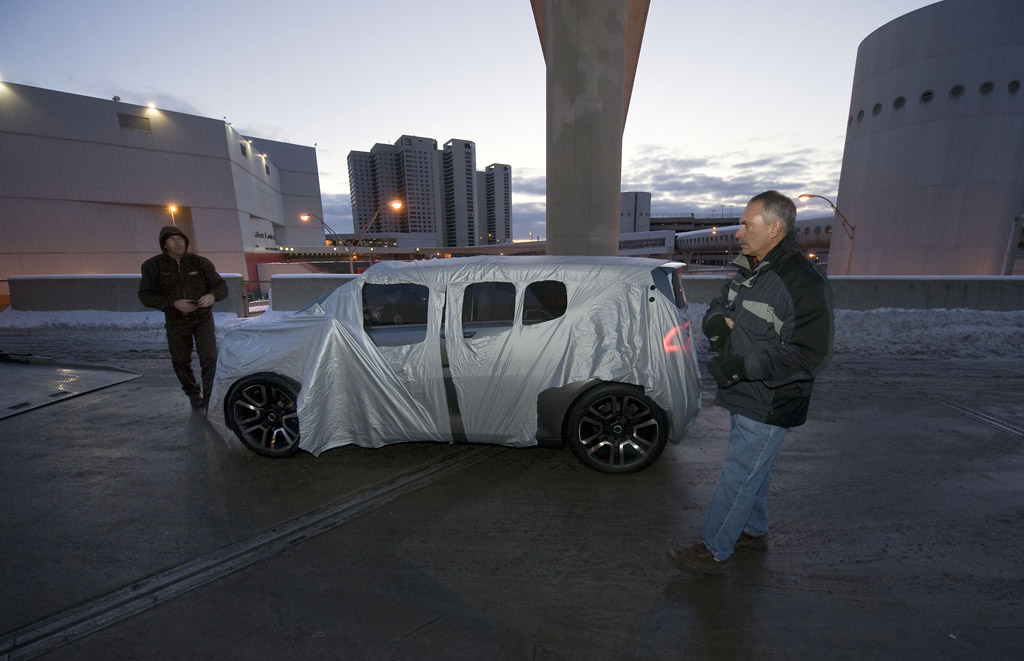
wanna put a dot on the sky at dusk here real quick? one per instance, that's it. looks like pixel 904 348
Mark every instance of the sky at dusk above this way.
pixel 730 98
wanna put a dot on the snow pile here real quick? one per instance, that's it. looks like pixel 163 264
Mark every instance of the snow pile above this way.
pixel 897 333
pixel 882 333
pixel 887 332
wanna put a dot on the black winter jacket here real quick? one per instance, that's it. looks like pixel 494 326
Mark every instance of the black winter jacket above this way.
pixel 782 311
pixel 165 281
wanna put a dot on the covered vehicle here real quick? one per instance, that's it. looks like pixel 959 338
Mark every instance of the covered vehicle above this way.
pixel 517 351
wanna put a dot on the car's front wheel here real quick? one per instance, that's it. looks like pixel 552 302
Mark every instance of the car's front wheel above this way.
pixel 262 411
pixel 615 428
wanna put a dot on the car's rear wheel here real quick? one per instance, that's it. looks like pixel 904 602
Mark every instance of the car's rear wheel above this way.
pixel 615 428
pixel 261 410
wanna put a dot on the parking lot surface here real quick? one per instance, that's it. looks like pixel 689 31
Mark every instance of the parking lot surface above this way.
pixel 131 530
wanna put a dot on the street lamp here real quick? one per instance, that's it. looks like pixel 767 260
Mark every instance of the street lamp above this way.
pixel 394 204
pixel 847 227
pixel 172 209
pixel 842 219
pixel 306 216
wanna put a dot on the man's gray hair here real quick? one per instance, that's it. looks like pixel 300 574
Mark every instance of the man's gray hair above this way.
pixel 776 206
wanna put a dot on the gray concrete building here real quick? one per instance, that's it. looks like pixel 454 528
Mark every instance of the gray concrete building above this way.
pixel 495 204
pixel 933 167
pixel 86 184
pixel 634 212
pixel 459 169
pixel 446 202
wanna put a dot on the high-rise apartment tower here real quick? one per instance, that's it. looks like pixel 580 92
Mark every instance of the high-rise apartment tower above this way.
pixel 446 202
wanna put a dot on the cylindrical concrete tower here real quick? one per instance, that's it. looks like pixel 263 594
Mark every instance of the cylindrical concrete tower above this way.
pixel 933 168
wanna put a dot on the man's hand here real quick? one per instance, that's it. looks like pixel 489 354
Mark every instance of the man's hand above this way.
pixel 718 331
pixel 206 301
pixel 184 306
pixel 727 369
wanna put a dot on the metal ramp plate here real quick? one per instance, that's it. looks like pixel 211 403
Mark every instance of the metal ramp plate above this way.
pixel 28 382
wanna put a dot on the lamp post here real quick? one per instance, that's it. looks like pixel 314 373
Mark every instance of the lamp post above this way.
pixel 847 226
pixel 394 204
pixel 306 216
pixel 172 209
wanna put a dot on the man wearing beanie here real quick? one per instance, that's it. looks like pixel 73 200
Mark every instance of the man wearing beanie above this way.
pixel 185 286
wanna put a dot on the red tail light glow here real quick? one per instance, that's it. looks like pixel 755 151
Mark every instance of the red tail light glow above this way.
pixel 677 339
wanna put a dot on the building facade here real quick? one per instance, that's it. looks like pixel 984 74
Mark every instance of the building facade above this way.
pixel 86 184
pixel 496 206
pixel 933 166
pixel 446 202
pixel 634 212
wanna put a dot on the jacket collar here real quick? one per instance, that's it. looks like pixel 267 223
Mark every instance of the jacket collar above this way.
pixel 786 245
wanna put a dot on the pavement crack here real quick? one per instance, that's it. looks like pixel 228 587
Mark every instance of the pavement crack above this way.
pixel 986 418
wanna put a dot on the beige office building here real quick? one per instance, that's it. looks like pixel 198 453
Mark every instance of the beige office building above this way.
pixel 86 184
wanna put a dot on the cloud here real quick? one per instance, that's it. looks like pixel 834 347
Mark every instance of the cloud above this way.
pixel 679 184
pixel 337 211
pixel 704 185
pixel 528 217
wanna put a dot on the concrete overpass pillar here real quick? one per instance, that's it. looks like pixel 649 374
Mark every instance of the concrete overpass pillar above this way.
pixel 590 49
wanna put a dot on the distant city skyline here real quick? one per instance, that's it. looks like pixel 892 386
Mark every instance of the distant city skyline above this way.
pixel 446 201
pixel 728 100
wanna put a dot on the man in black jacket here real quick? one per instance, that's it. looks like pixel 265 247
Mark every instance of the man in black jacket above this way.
pixel 772 328
pixel 185 286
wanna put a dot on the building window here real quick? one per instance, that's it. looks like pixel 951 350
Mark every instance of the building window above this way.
pixel 927 96
pixel 134 122
pixel 1013 87
pixel 877 109
pixel 986 88
pixel 956 91
pixel 899 103
pixel 245 152
pixel 860 115
pixel 266 166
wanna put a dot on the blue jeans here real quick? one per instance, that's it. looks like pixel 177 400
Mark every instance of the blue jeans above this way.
pixel 740 501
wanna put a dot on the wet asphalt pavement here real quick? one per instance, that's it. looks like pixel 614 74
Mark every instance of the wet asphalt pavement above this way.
pixel 131 530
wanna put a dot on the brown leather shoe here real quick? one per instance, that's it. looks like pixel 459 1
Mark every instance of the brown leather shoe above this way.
pixel 752 542
pixel 697 560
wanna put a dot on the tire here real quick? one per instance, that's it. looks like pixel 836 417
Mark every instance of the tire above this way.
pixel 261 410
pixel 615 428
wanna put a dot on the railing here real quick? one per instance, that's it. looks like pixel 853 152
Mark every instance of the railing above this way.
pixel 257 296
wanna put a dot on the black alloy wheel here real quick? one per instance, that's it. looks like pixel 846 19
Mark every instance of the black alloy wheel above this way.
pixel 615 428
pixel 261 410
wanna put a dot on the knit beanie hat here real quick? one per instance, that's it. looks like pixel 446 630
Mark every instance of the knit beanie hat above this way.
pixel 169 231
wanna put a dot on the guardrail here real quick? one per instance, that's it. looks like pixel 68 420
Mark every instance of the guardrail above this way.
pixel 110 292
pixel 854 292
pixel 294 292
